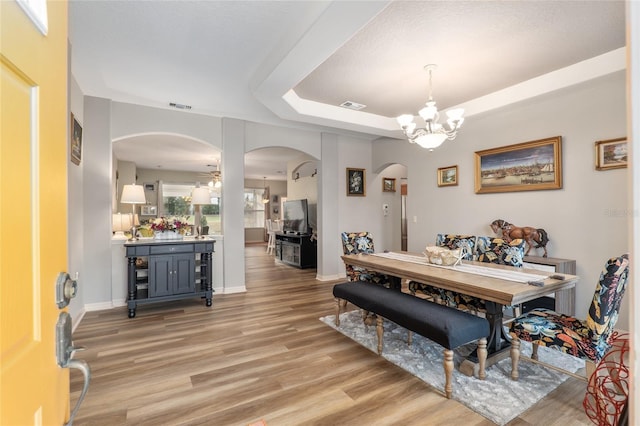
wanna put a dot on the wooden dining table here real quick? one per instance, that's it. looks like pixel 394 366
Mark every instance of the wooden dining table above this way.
pixel 498 285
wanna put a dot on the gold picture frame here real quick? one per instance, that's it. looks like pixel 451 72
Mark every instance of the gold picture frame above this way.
pixel 611 154
pixel 448 176
pixel 356 182
pixel 527 166
pixel 388 184
pixel 75 141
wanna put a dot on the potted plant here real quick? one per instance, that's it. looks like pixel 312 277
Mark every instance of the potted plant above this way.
pixel 203 225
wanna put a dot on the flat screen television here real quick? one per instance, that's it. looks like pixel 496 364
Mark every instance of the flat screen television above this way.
pixel 295 217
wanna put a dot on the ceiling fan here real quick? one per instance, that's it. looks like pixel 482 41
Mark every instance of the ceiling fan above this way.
pixel 215 176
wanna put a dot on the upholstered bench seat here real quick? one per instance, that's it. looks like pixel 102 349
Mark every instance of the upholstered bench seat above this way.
pixel 448 327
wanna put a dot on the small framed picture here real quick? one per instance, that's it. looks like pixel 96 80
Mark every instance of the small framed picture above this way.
pixel 388 185
pixel 448 176
pixel 356 182
pixel 75 147
pixel 149 186
pixel 148 210
pixel 611 154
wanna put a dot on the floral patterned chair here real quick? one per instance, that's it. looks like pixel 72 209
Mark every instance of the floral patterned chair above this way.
pixel 497 250
pixel 362 242
pixel 447 297
pixel 588 339
pixel 493 250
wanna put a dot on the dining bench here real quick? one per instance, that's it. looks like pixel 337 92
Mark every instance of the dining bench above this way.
pixel 448 327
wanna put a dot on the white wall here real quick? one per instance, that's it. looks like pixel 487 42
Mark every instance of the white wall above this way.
pixel 75 216
pixel 583 219
pixel 586 219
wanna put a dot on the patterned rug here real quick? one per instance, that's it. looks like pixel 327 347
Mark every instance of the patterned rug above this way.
pixel 498 398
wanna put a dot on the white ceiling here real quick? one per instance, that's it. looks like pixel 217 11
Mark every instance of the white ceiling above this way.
pixel 292 63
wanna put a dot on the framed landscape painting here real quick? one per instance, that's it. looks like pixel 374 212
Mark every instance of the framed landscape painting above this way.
pixel 388 184
pixel 527 166
pixel 611 154
pixel 448 176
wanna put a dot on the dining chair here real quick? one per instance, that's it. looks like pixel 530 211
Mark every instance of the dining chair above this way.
pixel 271 234
pixel 588 339
pixel 447 297
pixel 500 251
pixel 483 249
pixel 361 242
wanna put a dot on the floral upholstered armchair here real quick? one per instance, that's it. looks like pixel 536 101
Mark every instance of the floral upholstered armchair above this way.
pixel 361 242
pixel 588 339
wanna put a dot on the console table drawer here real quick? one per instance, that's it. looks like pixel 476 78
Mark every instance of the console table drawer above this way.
pixel 170 249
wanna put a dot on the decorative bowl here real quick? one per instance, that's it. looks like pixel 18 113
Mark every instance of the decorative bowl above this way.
pixel 442 255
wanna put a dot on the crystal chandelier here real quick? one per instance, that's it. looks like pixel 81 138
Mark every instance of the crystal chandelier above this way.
pixel 433 133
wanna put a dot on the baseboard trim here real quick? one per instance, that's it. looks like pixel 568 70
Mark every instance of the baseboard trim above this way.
pixel 330 277
pixel 229 290
pixel 89 307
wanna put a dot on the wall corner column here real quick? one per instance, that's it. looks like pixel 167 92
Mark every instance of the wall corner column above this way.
pixel 233 149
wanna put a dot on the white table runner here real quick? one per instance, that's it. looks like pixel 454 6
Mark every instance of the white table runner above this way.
pixel 517 276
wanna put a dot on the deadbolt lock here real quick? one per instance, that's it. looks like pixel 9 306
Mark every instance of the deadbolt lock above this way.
pixel 66 289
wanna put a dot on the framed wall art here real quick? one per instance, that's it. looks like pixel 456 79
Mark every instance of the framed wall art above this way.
pixel 527 166
pixel 388 185
pixel 356 182
pixel 75 144
pixel 148 210
pixel 448 176
pixel 611 154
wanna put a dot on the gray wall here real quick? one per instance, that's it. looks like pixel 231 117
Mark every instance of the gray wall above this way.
pixel 586 219
pixel 583 219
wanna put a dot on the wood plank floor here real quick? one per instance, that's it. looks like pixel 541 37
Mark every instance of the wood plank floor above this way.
pixel 258 355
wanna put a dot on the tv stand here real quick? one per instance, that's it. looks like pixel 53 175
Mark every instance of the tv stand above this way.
pixel 296 249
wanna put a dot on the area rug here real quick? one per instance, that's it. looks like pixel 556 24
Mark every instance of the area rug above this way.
pixel 498 398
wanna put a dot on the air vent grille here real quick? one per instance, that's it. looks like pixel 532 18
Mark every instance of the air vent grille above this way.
pixel 179 106
pixel 352 105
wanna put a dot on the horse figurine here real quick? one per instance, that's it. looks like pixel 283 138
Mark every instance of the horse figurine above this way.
pixel 528 234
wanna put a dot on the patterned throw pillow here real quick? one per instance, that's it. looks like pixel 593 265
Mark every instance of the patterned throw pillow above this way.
pixel 497 250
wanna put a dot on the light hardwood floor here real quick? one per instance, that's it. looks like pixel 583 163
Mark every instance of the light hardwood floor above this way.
pixel 258 355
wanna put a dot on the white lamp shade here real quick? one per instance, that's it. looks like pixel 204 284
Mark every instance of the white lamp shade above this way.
pixel 200 196
pixel 405 119
pixel 133 194
pixel 121 222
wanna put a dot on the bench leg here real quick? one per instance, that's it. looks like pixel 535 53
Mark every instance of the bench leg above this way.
pixel 534 351
pixel 482 358
pixel 409 337
pixel 341 304
pixel 380 332
pixel 515 357
pixel 448 372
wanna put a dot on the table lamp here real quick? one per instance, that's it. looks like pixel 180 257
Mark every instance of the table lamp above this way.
pixel 133 194
pixel 199 196
pixel 121 222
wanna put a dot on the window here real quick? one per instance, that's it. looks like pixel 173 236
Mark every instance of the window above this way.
pixel 253 208
pixel 176 201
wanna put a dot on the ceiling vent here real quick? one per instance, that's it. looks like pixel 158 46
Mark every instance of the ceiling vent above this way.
pixel 352 105
pixel 179 106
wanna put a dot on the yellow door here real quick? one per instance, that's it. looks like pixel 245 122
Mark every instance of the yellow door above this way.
pixel 33 213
